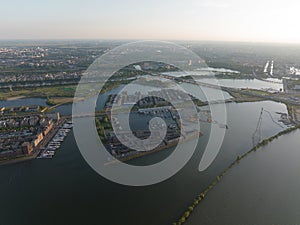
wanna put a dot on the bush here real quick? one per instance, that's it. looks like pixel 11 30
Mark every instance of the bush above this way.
pixel 191 208
pixel 187 214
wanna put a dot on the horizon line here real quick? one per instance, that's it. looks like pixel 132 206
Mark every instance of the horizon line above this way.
pixel 142 39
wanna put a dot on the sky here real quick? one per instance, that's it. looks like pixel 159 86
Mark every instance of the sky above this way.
pixel 213 20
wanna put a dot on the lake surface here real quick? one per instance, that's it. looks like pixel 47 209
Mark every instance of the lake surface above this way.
pixel 245 83
pixel 23 101
pixel 65 190
pixel 63 109
pixel 262 189
pixel 205 71
pixel 202 93
pixel 210 78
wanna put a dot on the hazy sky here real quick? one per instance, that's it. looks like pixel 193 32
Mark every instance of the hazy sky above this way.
pixel 228 20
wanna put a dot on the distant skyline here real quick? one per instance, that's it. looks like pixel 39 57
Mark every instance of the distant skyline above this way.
pixel 210 20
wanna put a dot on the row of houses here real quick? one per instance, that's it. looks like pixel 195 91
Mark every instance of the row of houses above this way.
pixel 10 110
pixel 18 142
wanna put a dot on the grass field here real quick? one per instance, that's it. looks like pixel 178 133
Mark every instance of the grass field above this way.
pixel 39 92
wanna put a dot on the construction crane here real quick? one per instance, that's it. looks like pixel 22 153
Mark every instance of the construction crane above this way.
pixel 256 138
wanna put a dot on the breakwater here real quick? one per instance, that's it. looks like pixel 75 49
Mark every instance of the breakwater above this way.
pixel 186 214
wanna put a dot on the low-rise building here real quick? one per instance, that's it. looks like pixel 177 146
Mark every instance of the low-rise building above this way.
pixel 48 128
pixel 38 139
pixel 26 148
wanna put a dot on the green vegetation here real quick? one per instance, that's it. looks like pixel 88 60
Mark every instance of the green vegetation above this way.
pixel 109 85
pixel 102 124
pixel 222 76
pixel 57 91
pixel 234 76
pixel 255 91
pixel 59 101
pixel 6 129
pixel 39 92
pixel 240 97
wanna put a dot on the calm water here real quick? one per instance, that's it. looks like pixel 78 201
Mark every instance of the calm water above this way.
pixel 63 110
pixel 208 71
pixel 262 189
pixel 65 190
pixel 23 101
pixel 234 83
pixel 202 92
pixel 245 83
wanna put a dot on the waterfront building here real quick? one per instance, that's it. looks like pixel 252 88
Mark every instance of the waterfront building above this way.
pixel 38 139
pixel 26 148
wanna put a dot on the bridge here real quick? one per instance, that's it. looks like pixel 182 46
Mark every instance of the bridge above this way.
pixel 274 97
pixel 213 86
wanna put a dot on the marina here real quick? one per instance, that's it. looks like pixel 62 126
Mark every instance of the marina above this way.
pixel 50 150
